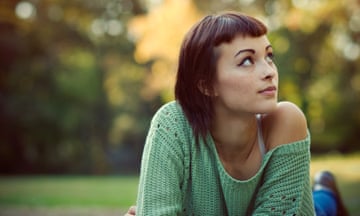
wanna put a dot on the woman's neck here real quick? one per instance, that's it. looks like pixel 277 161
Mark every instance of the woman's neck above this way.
pixel 237 145
pixel 234 136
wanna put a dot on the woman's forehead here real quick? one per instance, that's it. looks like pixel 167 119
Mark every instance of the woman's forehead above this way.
pixel 244 42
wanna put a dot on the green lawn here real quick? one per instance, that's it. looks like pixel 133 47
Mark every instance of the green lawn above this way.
pixel 118 192
pixel 68 191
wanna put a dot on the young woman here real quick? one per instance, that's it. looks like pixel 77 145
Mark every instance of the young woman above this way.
pixel 226 146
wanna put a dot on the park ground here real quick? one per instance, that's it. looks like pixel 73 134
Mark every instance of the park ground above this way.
pixel 111 195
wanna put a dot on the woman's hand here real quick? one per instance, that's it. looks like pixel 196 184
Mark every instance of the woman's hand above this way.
pixel 131 211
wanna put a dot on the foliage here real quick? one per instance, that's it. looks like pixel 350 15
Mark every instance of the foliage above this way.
pixel 61 65
pixel 80 80
pixel 159 42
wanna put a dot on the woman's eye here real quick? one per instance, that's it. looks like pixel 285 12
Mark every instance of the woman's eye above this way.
pixel 270 57
pixel 246 62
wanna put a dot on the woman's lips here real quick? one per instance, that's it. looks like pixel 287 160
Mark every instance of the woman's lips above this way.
pixel 269 91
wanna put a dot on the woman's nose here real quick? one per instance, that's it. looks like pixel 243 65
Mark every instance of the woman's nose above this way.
pixel 269 71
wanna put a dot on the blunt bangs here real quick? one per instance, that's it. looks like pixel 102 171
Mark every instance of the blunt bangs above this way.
pixel 231 24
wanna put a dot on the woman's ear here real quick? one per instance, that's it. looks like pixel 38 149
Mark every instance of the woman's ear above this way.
pixel 204 89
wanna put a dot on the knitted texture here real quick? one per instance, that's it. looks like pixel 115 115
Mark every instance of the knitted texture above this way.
pixel 180 177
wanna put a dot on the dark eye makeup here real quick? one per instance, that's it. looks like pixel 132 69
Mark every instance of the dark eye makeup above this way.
pixel 246 61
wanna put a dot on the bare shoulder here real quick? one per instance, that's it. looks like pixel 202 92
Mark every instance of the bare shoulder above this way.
pixel 286 124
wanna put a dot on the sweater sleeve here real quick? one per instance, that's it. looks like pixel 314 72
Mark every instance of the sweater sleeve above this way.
pixel 286 186
pixel 162 168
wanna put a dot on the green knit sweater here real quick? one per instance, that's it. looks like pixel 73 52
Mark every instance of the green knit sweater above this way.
pixel 179 177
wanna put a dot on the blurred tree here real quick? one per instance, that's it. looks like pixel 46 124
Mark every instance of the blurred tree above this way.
pixel 323 58
pixel 158 37
pixel 57 89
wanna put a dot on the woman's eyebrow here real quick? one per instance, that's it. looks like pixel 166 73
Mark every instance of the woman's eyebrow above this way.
pixel 251 50
pixel 268 47
pixel 245 50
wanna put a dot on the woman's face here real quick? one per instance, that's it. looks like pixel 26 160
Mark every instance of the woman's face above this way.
pixel 246 77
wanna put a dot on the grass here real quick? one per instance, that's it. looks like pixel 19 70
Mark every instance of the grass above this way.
pixel 68 191
pixel 119 192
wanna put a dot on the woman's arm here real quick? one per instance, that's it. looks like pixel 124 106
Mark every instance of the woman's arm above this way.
pixel 162 168
pixel 285 188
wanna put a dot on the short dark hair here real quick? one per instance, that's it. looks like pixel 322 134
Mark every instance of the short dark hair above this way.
pixel 198 60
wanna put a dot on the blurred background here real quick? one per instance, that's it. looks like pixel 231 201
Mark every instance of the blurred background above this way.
pixel 80 81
